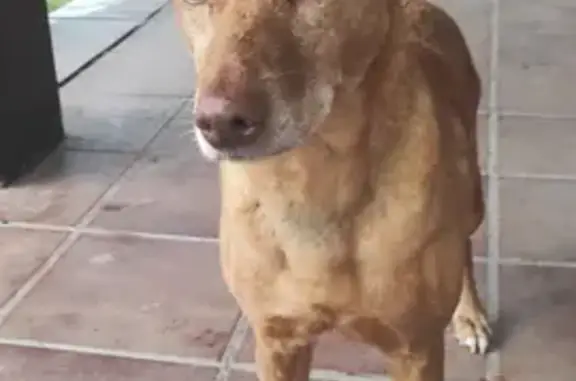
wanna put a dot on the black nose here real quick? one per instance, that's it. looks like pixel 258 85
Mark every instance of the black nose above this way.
pixel 226 125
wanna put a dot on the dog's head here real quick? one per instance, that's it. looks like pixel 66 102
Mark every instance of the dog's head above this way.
pixel 268 71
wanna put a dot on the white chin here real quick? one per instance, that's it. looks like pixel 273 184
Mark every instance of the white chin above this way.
pixel 206 149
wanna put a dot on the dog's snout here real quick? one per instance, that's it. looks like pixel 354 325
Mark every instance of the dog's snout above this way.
pixel 226 125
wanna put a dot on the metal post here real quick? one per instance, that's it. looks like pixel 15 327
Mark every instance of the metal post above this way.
pixel 30 117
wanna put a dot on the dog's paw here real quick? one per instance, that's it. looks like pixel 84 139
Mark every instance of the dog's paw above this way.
pixel 473 333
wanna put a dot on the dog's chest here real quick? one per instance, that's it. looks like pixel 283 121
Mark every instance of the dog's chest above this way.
pixel 287 248
pixel 310 240
pixel 280 266
pixel 294 255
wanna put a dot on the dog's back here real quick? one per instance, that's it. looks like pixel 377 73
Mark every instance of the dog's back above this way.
pixel 448 74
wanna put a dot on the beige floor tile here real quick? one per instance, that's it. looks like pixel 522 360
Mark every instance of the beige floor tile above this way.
pixel 129 294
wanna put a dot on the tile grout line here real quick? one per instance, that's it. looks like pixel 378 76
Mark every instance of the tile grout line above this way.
pixel 321 374
pixel 536 176
pixel 10 305
pixel 59 252
pixel 331 375
pixel 317 374
pixel 536 115
pixel 103 232
pixel 510 262
pixel 536 263
pixel 530 176
pixel 233 347
pixel 111 353
pixel 493 365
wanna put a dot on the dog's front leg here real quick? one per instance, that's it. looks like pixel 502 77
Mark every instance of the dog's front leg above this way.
pixel 282 359
pixel 424 362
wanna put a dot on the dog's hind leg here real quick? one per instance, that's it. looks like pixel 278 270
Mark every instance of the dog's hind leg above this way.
pixel 469 321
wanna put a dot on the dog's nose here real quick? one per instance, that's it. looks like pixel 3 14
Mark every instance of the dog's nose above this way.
pixel 224 124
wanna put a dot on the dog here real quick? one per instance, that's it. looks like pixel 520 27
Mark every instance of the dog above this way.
pixel 345 133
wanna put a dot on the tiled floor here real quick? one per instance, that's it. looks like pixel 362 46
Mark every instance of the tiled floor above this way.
pixel 108 256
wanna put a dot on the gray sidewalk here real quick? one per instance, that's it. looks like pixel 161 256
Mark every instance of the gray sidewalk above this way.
pixel 109 252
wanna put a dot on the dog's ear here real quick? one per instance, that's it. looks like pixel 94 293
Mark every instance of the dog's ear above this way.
pixel 193 18
pixel 363 38
pixel 347 34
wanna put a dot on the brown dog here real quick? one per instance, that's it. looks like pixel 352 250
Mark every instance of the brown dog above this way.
pixel 350 184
